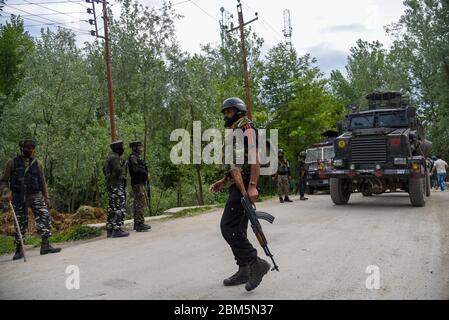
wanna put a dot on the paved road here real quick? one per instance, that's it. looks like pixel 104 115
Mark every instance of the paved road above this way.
pixel 322 250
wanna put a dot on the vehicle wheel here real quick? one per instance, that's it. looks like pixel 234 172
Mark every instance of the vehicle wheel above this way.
pixel 428 185
pixel 417 191
pixel 339 191
pixel 310 190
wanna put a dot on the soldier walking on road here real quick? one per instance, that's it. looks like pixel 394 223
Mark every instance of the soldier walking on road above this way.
pixel 115 174
pixel 234 222
pixel 302 175
pixel 138 171
pixel 283 177
pixel 23 183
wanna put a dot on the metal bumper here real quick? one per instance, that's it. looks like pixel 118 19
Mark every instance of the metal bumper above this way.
pixel 372 173
pixel 316 183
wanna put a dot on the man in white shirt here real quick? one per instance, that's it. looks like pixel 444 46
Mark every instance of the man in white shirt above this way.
pixel 440 166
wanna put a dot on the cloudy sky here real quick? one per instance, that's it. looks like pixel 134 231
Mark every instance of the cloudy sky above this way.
pixel 325 28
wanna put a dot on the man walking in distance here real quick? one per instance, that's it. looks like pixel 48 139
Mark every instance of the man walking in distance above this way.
pixel 283 177
pixel 302 175
pixel 234 222
pixel 23 183
pixel 138 171
pixel 440 167
pixel 115 173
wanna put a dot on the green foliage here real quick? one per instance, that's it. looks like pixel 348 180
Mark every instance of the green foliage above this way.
pixel 55 91
pixel 6 244
pixel 78 232
pixel 15 46
pixel 308 110
pixel 417 64
pixel 370 68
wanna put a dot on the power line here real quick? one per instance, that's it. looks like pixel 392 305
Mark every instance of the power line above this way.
pixel 75 2
pixel 50 20
pixel 46 2
pixel 47 14
pixel 49 24
pixel 196 5
pixel 81 32
pixel 266 24
pixel 53 10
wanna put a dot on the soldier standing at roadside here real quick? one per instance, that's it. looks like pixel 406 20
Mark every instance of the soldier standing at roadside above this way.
pixel 115 173
pixel 138 171
pixel 23 183
pixel 283 177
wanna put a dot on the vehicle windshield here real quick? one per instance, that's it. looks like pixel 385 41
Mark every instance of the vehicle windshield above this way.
pixel 362 121
pixel 329 153
pixel 313 155
pixel 396 119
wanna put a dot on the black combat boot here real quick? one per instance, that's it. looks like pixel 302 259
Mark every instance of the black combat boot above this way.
pixel 240 277
pixel 119 233
pixel 142 227
pixel 108 233
pixel 19 252
pixel 281 200
pixel 47 248
pixel 287 199
pixel 303 198
pixel 257 270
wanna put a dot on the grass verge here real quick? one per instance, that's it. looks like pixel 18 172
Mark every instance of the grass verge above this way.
pixel 78 232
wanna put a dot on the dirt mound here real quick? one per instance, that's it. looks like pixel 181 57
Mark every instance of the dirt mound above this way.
pixel 60 221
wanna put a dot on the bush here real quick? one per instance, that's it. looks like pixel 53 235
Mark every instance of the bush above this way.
pixel 78 232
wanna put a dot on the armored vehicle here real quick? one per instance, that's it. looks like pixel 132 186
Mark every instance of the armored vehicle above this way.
pixel 319 159
pixel 382 149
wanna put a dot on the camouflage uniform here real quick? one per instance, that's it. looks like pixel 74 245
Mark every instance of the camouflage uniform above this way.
pixel 138 171
pixel 283 175
pixel 117 207
pixel 31 195
pixel 139 203
pixel 115 173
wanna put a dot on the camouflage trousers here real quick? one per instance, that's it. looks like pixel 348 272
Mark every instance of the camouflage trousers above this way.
pixel 139 203
pixel 283 185
pixel 116 208
pixel 40 211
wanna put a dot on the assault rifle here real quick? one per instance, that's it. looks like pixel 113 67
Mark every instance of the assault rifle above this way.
pixel 254 216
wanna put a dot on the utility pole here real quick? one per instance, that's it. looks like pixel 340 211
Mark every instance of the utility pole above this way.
pixel 107 58
pixel 244 54
pixel 287 29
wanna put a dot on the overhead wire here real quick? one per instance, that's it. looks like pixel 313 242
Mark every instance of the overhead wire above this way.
pixel 44 18
pixel 266 24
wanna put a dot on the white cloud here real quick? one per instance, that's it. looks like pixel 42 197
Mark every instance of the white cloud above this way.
pixel 312 21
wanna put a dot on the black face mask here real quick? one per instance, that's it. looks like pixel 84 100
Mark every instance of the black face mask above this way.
pixel 137 150
pixel 230 121
pixel 119 151
pixel 28 153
